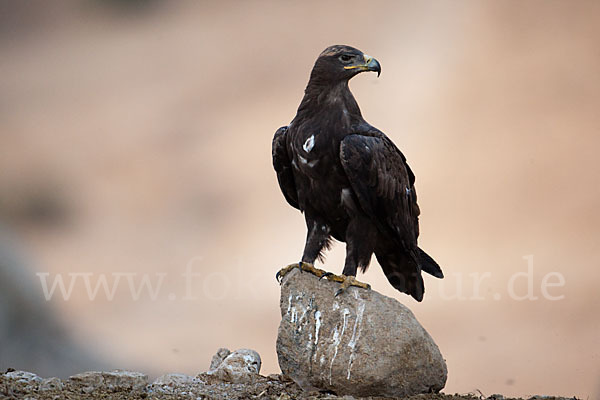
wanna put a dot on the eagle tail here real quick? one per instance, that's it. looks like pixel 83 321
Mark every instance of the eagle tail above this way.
pixel 429 265
pixel 402 272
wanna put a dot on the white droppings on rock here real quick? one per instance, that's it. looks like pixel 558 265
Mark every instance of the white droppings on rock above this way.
pixel 303 314
pixel 337 338
pixel 293 315
pixel 355 336
pixel 357 324
pixel 317 326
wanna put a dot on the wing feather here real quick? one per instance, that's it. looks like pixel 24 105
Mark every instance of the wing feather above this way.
pixel 283 167
pixel 383 183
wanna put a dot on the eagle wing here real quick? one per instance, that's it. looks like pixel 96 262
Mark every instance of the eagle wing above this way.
pixel 283 167
pixel 384 185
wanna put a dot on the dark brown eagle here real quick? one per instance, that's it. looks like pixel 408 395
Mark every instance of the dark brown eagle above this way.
pixel 350 180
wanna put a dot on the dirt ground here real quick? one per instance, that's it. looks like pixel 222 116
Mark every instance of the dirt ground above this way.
pixel 273 387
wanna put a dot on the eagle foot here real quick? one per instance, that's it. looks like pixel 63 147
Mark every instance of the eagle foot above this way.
pixel 347 281
pixel 303 266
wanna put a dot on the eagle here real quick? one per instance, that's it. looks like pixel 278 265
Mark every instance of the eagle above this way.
pixel 350 180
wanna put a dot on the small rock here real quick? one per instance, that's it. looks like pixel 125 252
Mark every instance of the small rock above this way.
pixel 23 377
pixel 51 384
pixel 112 381
pixel 88 380
pixel 241 366
pixel 125 380
pixel 360 343
pixel 29 380
pixel 218 358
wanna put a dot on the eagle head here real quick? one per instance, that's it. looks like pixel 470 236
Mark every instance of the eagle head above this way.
pixel 340 63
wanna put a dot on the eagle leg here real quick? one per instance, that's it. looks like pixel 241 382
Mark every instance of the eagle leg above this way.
pixel 303 266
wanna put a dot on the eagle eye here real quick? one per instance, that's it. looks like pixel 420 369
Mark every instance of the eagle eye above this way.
pixel 345 57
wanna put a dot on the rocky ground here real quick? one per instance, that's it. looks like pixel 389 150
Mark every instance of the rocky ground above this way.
pixel 314 346
pixel 135 385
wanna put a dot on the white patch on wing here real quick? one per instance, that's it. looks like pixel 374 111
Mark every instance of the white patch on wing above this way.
pixel 309 144
pixel 345 193
pixel 346 198
pixel 302 159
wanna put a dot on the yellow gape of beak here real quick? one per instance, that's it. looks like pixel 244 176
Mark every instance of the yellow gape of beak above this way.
pixel 362 66
pixel 370 64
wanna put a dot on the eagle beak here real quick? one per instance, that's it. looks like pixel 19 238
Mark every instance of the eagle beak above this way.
pixel 370 64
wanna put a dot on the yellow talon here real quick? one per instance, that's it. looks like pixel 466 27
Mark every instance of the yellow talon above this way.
pixel 348 281
pixel 303 267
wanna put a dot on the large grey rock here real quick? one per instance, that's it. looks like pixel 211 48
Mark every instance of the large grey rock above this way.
pixel 360 343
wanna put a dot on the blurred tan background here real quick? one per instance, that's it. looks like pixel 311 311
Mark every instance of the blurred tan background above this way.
pixel 135 138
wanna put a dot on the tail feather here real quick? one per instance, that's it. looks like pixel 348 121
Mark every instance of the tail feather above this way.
pixel 402 273
pixel 429 265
